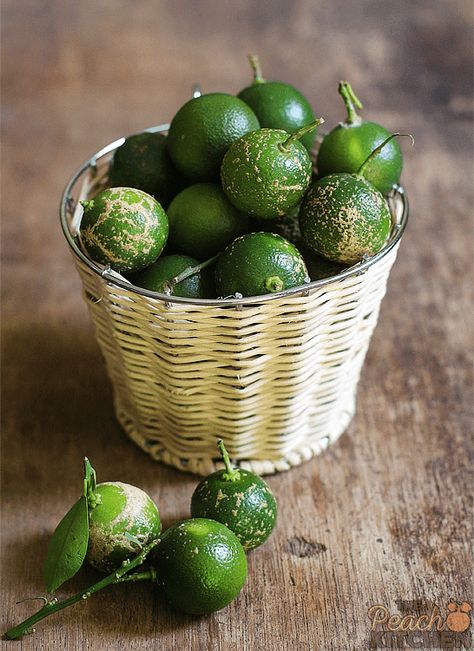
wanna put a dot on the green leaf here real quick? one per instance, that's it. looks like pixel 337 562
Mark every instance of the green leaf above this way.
pixel 68 547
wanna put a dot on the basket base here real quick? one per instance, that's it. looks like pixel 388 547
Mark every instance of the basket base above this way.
pixel 206 465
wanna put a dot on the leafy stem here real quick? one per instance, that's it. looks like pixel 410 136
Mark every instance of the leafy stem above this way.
pixel 285 146
pixel 379 148
pixel 351 101
pixel 90 483
pixel 54 606
pixel 231 474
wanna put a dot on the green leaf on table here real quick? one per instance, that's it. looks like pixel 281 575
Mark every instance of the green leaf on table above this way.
pixel 68 547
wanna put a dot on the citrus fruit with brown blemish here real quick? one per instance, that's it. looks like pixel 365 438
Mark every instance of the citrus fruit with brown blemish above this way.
pixel 266 172
pixel 158 276
pixel 125 228
pixel 347 146
pixel 200 564
pixel 143 162
pixel 203 222
pixel 240 499
pixel 257 264
pixel 203 129
pixel 278 105
pixel 123 519
pixel 343 217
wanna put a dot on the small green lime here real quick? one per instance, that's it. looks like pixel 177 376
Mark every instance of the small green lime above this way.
pixel 143 162
pixel 266 173
pixel 241 500
pixel 343 218
pixel 124 519
pixel 278 105
pixel 202 131
pixel 349 144
pixel 154 277
pixel 259 263
pixel 124 228
pixel 203 221
pixel 201 565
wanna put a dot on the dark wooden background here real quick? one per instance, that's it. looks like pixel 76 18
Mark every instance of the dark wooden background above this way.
pixel 387 507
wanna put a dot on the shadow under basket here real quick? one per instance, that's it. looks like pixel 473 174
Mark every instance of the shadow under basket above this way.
pixel 275 376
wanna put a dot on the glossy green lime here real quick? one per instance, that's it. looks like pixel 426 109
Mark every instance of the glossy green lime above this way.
pixel 245 504
pixel 264 175
pixel 202 131
pixel 168 267
pixel 143 162
pixel 124 228
pixel 259 263
pixel 201 566
pixel 343 217
pixel 203 221
pixel 124 519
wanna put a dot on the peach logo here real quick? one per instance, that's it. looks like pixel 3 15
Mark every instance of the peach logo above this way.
pixel 458 619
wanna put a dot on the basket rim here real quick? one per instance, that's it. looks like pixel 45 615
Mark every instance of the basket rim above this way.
pixel 112 278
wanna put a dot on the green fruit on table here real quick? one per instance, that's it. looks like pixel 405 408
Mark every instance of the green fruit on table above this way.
pixel 203 221
pixel 240 499
pixel 343 217
pixel 202 131
pixel 259 263
pixel 348 145
pixel 278 105
pixel 201 566
pixel 123 520
pixel 143 162
pixel 157 277
pixel 266 172
pixel 124 228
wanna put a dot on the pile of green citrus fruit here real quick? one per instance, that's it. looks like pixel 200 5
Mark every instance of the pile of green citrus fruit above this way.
pixel 230 203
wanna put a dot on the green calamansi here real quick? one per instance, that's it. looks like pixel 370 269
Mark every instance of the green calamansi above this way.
pixel 266 172
pixel 200 565
pixel 259 263
pixel 278 105
pixel 143 162
pixel 124 228
pixel 159 276
pixel 202 131
pixel 348 145
pixel 123 520
pixel 238 498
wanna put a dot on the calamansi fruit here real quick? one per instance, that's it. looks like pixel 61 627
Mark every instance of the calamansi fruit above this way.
pixel 343 217
pixel 123 519
pixel 266 172
pixel 143 162
pixel 278 105
pixel 158 276
pixel 259 263
pixel 202 131
pixel 201 565
pixel 124 228
pixel 203 221
pixel 238 498
pixel 348 145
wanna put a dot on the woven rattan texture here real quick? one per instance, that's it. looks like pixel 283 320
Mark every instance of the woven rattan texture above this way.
pixel 277 379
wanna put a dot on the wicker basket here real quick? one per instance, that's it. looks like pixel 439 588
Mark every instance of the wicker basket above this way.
pixel 274 375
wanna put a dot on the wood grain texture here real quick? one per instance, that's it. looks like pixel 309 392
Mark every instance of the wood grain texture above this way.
pixel 381 517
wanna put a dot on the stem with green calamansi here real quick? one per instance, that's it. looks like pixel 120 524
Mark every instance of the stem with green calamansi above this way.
pixel 379 148
pixel 285 146
pixel 231 474
pixel 257 70
pixel 351 101
pixel 189 271
pixel 53 606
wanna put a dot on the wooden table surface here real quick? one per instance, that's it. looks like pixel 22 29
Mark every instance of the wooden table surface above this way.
pixel 385 510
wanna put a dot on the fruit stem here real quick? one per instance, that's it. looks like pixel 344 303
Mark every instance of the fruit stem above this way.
pixel 257 70
pixel 189 271
pixel 351 101
pixel 274 284
pixel 285 146
pixel 379 148
pixel 54 606
pixel 231 474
